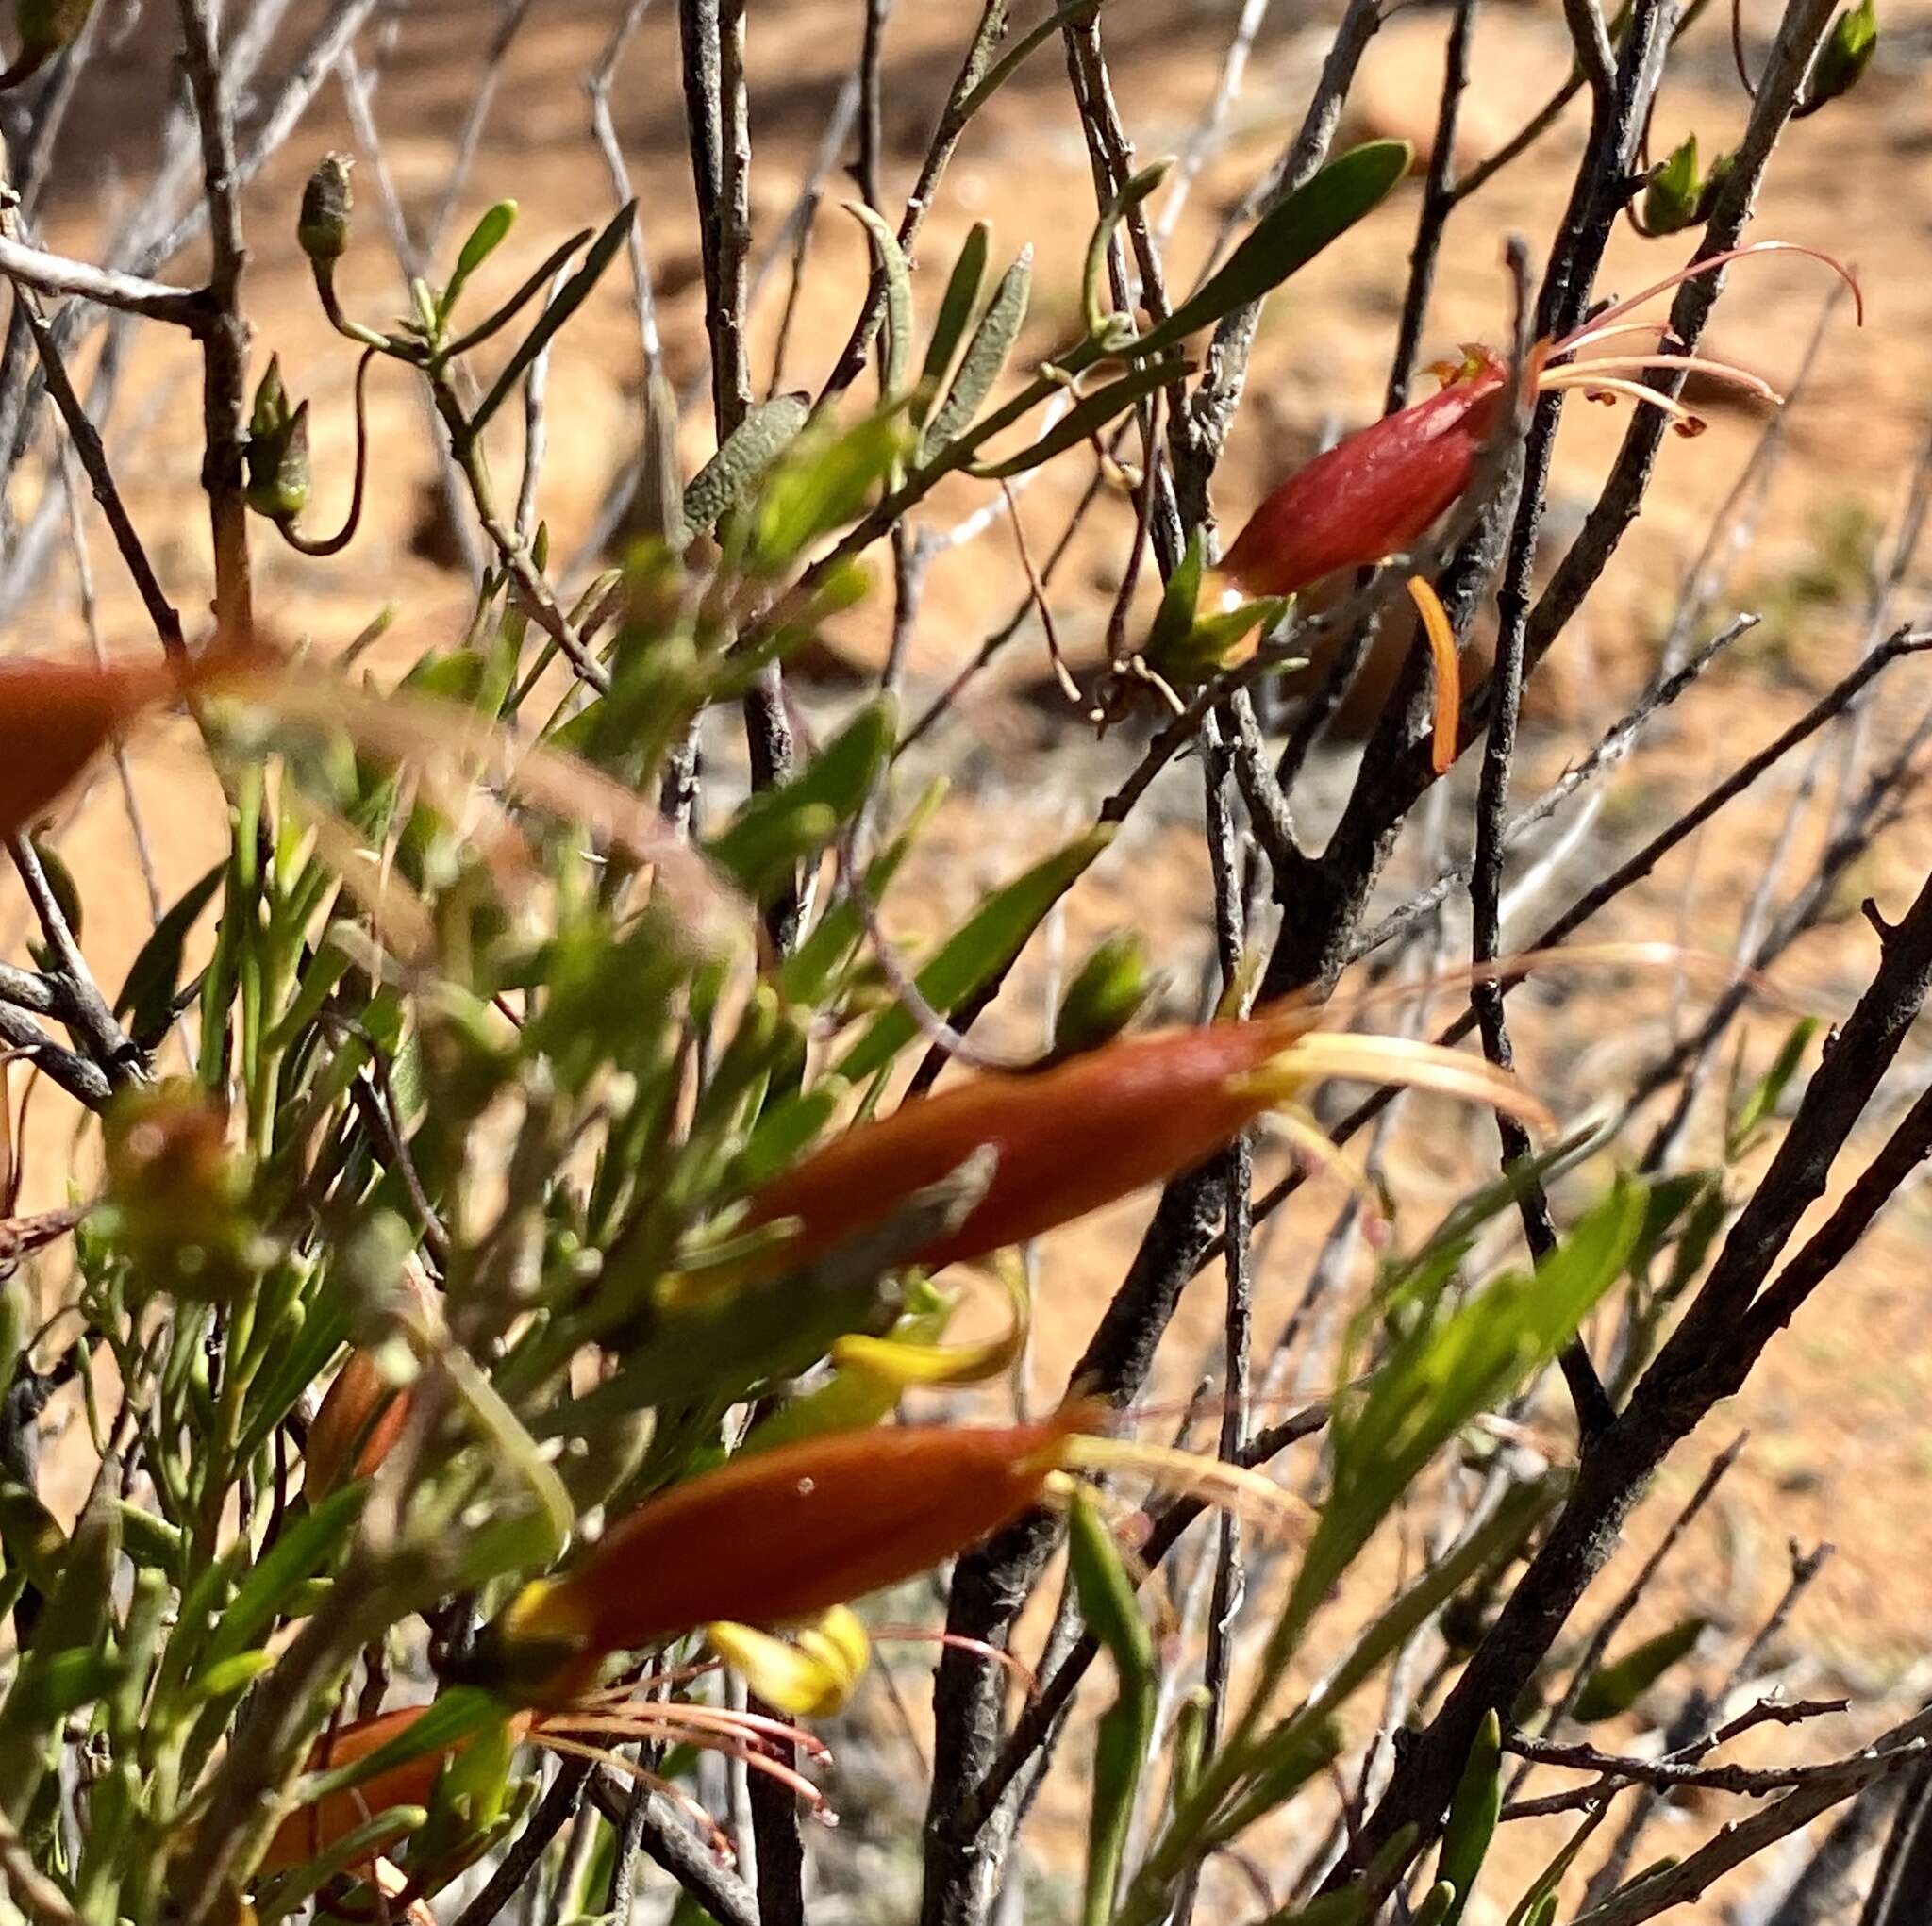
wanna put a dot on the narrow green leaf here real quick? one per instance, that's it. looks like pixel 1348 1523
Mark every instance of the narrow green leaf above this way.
pixel 759 846
pixel 302 1551
pixel 1114 1613
pixel 986 354
pixel 1286 240
pixel 147 995
pixel 824 482
pixel 485 238
pixel 149 1540
pixel 1615 1688
pixel 1094 304
pixel 1472 1815
pixel 66 1664
pixel 1068 13
pixel 1762 1099
pixel 1084 419
pixel 738 467
pixel 1450 1368
pixel 1175 619
pixel 978 952
pixel 570 297
pixel 231 1675
pixel 1440 1904
pixel 948 330
pixel 898 280
pixel 294 1367
pixel 1537 1905
pixel 807 974
pixel 785 1130
pixel 386 1829
pixel 455 1714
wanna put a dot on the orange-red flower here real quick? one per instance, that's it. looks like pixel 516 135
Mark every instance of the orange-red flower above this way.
pixel 1070 1140
pixel 783 1535
pixel 312 1828
pixel 1378 490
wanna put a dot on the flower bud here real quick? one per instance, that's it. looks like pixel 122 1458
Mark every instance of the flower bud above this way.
pixel 1674 197
pixel 178 1191
pixel 1106 995
pixel 1845 55
pixel 322 226
pixel 278 471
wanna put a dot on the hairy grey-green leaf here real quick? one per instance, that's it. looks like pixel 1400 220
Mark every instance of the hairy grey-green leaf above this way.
pixel 749 450
pixel 898 280
pixel 986 354
pixel 956 311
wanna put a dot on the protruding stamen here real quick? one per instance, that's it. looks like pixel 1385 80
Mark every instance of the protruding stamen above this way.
pixel 1710 265
pixel 1666 336
pixel 1319 1151
pixel 1666 364
pixel 1603 387
pixel 1248 1493
pixel 958 1641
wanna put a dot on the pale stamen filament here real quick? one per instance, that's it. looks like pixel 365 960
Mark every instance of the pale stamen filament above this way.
pixel 1710 265
pixel 1589 336
pixel 1597 386
pixel 694 1721
pixel 747 1755
pixel 1699 364
pixel 1244 1492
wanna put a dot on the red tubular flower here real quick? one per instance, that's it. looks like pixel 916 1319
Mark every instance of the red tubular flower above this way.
pixel 1070 1140
pixel 784 1535
pixel 587 1729
pixel 55 717
pixel 1376 492
pixel 312 1828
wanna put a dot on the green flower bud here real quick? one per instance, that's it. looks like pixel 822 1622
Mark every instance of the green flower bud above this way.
pixel 177 1192
pixel 269 414
pixel 1845 55
pixel 278 474
pixel 322 226
pixel 1674 197
pixel 1104 996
